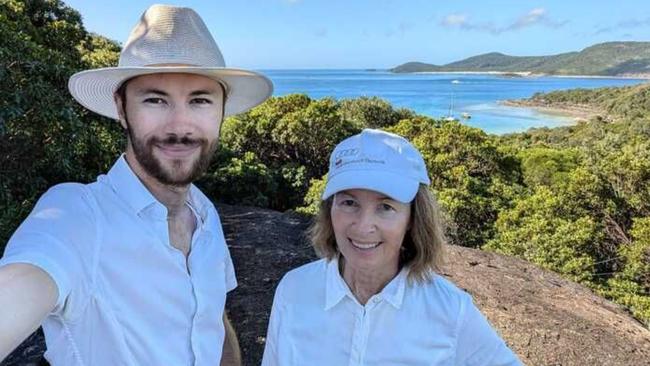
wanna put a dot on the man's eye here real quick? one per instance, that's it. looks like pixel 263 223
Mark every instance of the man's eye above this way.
pixel 201 101
pixel 347 203
pixel 154 101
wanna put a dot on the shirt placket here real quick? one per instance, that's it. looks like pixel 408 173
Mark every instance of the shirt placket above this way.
pixel 194 282
pixel 361 330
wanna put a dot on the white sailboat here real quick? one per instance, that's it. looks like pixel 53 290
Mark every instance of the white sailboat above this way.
pixel 450 115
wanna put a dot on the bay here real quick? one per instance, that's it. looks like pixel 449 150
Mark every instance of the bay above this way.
pixel 434 94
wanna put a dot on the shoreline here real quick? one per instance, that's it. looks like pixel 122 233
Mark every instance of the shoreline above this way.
pixel 530 74
pixel 579 113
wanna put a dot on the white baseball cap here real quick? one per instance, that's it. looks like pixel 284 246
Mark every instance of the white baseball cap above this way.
pixel 378 161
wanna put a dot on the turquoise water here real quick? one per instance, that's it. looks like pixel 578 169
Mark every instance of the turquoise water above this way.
pixel 433 94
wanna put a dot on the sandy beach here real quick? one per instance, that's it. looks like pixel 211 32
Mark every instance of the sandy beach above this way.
pixel 578 112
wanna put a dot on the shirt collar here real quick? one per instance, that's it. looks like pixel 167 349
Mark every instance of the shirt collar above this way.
pixel 336 288
pixel 128 186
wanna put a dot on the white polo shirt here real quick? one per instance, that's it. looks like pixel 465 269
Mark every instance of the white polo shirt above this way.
pixel 317 321
pixel 126 296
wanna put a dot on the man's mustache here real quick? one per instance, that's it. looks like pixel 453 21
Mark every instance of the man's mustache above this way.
pixel 176 140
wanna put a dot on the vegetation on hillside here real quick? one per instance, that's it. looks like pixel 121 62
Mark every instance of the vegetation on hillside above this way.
pixel 575 200
pixel 609 59
pixel 620 103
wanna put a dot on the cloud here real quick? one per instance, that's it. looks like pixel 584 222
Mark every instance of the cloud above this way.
pixel 454 20
pixel 623 24
pixel 537 16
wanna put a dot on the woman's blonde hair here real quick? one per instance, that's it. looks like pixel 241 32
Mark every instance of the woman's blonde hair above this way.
pixel 422 249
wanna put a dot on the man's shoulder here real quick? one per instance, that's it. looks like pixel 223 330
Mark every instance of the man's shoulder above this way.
pixel 63 206
pixel 66 195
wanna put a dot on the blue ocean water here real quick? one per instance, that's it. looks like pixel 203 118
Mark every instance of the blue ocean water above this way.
pixel 434 94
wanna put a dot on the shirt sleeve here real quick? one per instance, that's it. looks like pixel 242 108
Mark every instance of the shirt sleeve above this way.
pixel 478 343
pixel 56 237
pixel 271 356
pixel 231 278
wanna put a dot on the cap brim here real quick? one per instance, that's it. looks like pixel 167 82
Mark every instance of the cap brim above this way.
pixel 94 88
pixel 395 186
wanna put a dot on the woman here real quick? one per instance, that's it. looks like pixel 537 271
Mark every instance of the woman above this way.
pixel 375 298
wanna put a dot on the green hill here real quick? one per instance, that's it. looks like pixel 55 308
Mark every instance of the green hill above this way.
pixel 606 59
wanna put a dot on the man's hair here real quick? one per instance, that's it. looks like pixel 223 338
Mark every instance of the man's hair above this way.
pixel 121 93
pixel 422 248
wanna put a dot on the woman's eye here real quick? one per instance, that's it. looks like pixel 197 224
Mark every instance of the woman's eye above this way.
pixel 347 202
pixel 387 207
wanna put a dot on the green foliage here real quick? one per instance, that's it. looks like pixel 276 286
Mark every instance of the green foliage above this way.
pixel 45 137
pixel 637 254
pixel 313 196
pixel 544 166
pixel 293 137
pixel 372 112
pixel 242 181
pixel 465 166
pixel 540 230
pixel 631 285
pixel 619 103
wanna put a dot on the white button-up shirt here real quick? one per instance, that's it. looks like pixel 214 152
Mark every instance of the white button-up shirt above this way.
pixel 317 321
pixel 126 295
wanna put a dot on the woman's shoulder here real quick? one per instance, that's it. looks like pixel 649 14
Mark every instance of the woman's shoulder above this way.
pixel 308 276
pixel 308 270
pixel 443 291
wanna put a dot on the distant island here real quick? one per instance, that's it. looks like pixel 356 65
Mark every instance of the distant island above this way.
pixel 620 59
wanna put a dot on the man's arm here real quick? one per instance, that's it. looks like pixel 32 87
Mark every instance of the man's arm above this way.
pixel 231 356
pixel 27 295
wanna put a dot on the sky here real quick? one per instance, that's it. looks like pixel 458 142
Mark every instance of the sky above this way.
pixel 361 34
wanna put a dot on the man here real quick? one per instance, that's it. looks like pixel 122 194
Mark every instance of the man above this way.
pixel 133 269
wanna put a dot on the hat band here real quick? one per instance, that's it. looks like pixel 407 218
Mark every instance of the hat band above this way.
pixel 172 65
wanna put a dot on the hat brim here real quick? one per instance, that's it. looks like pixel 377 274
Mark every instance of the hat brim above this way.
pixel 395 186
pixel 94 88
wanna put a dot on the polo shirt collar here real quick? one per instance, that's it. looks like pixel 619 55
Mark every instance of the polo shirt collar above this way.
pixel 336 288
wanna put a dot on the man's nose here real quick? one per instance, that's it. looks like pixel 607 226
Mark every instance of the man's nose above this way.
pixel 179 121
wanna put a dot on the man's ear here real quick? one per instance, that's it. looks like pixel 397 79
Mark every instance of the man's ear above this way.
pixel 120 110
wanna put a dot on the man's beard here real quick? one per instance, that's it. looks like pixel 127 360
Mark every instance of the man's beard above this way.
pixel 143 151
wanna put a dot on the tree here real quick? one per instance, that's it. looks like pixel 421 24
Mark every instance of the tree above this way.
pixel 467 172
pixel 45 136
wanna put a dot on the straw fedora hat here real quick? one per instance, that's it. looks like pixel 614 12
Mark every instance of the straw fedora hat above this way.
pixel 169 39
